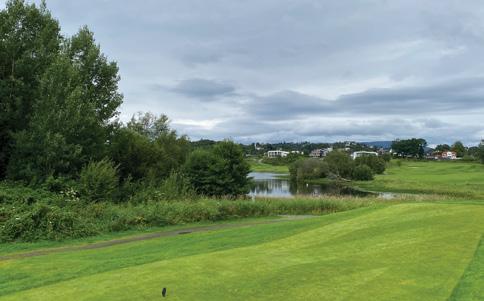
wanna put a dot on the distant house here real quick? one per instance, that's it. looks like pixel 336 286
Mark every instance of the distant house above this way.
pixel 363 154
pixel 277 154
pixel 320 152
pixel 447 155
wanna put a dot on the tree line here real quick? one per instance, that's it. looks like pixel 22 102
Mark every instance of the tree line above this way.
pixel 59 121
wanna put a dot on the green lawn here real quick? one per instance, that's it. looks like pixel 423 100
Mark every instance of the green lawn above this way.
pixel 454 179
pixel 419 251
pixel 263 167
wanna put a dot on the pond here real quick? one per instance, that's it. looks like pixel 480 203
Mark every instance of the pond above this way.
pixel 277 185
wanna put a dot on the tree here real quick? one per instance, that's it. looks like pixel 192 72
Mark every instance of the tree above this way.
pixel 414 147
pixel 377 164
pixel 146 148
pixel 220 171
pixel 304 169
pixel 77 100
pixel 362 173
pixel 459 148
pixel 480 153
pixel 30 41
pixel 340 164
pixel 442 148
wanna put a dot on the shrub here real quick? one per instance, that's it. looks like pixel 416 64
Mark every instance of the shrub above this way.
pixel 378 165
pixel 44 222
pixel 177 187
pixel 362 173
pixel 340 164
pixel 221 171
pixel 305 169
pixel 98 180
pixel 387 157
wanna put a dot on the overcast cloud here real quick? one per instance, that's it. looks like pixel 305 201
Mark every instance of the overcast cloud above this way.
pixel 273 70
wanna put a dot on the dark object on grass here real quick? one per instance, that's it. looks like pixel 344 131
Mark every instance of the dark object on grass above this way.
pixel 163 292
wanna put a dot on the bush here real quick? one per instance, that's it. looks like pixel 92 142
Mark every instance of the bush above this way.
pixel 305 169
pixel 177 187
pixel 51 218
pixel 378 165
pixel 362 173
pixel 98 180
pixel 340 164
pixel 44 222
pixel 387 157
pixel 220 171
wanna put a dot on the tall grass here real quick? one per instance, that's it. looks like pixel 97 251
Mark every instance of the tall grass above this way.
pixel 64 220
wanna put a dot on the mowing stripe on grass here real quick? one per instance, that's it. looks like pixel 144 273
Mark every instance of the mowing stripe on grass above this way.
pixel 471 285
pixel 401 252
pixel 109 243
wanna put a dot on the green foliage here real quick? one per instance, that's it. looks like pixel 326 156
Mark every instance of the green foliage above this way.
pixel 386 157
pixel 30 42
pixel 480 153
pixel 58 96
pixel 410 148
pixel 33 214
pixel 43 222
pixel 442 148
pixel 98 180
pixel 220 171
pixel 362 172
pixel 176 187
pixel 148 149
pixel 377 164
pixel 306 169
pixel 340 164
pixel 459 148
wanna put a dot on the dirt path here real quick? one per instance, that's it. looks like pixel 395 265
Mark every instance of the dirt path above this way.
pixel 184 231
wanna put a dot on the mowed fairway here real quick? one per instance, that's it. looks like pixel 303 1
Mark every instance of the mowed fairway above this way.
pixel 420 251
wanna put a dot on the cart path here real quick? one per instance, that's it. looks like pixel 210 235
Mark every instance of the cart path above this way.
pixel 148 236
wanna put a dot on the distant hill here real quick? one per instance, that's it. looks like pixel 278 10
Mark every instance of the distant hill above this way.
pixel 379 144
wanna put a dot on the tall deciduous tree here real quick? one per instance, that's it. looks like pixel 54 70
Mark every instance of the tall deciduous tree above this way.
pixel 30 41
pixel 71 105
pixel 459 148
pixel 410 148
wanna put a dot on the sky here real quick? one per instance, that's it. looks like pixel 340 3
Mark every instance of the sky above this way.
pixel 296 70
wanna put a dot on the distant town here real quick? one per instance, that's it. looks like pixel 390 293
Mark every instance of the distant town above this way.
pixel 400 148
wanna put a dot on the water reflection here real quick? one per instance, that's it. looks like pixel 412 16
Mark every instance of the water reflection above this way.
pixel 273 185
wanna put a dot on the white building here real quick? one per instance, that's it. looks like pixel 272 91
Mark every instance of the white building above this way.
pixel 363 154
pixel 447 156
pixel 277 154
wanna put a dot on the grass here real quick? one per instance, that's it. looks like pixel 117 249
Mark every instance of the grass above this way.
pixel 258 166
pixel 454 179
pixel 417 251
pixel 21 247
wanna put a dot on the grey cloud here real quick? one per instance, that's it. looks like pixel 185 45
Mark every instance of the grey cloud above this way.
pixel 455 96
pixel 296 70
pixel 203 88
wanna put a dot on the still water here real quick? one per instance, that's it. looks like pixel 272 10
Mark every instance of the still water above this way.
pixel 276 185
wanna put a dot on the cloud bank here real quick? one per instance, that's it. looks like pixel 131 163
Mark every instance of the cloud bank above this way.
pixel 273 70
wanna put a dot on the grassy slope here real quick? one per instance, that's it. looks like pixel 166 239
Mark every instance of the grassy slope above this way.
pixel 263 167
pixel 399 252
pixel 456 179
